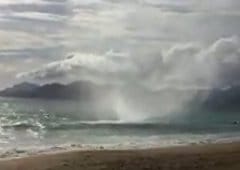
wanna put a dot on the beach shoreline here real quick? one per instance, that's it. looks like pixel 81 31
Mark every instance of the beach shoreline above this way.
pixel 204 156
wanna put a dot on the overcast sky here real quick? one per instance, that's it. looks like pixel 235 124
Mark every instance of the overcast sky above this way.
pixel 154 43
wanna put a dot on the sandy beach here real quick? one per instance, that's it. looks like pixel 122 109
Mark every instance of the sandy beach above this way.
pixel 209 157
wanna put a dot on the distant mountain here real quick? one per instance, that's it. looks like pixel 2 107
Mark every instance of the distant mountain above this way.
pixel 214 100
pixel 76 90
pixel 20 90
pixel 227 99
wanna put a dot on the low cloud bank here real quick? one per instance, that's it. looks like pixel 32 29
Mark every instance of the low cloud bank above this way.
pixel 182 66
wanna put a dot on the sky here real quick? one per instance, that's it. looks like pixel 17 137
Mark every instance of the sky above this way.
pixel 151 43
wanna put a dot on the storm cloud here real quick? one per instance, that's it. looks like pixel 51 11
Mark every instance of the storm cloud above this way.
pixel 153 43
pixel 182 66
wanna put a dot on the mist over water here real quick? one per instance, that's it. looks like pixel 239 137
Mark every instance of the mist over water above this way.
pixel 145 73
pixel 139 97
pixel 129 121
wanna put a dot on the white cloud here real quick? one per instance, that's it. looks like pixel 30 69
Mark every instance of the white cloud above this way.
pixel 19 40
pixel 204 66
pixel 82 66
pixel 181 66
pixel 85 2
pixel 23 1
pixel 164 42
pixel 224 50
pixel 39 16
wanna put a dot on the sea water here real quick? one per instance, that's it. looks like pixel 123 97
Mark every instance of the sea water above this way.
pixel 30 126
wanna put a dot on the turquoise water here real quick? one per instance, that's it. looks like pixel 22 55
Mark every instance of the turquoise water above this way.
pixel 47 124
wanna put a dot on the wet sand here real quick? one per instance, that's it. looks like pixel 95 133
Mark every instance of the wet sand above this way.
pixel 195 157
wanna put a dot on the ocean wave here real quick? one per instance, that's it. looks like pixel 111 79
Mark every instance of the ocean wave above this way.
pixel 23 126
pixel 156 127
pixel 100 124
pixel 162 128
pixel 149 142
